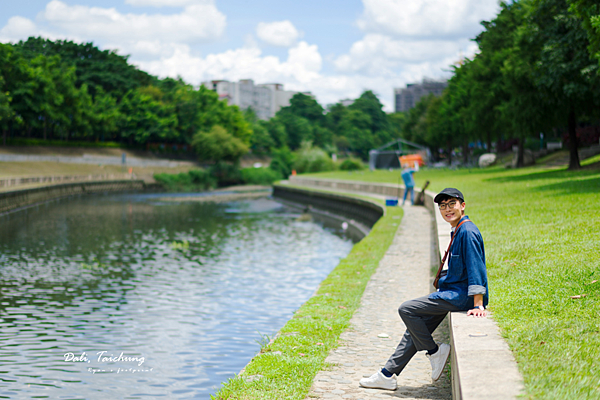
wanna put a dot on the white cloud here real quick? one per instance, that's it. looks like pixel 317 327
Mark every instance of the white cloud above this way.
pixel 378 54
pixel 197 23
pixel 426 18
pixel 18 28
pixel 281 33
pixel 407 40
pixel 167 3
pixel 302 65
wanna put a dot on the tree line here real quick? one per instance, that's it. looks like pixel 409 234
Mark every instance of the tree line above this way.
pixel 61 90
pixel 67 91
pixel 537 72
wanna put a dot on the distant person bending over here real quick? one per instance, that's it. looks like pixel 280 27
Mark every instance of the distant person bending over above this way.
pixel 409 182
pixel 463 287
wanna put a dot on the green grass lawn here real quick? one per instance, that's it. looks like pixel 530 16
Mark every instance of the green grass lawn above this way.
pixel 286 367
pixel 542 235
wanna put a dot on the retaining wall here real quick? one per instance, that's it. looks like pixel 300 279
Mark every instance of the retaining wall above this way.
pixel 9 182
pixel 10 201
pixel 356 210
pixel 482 365
pixel 93 159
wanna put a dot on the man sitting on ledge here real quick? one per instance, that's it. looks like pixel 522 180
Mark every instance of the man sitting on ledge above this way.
pixel 462 287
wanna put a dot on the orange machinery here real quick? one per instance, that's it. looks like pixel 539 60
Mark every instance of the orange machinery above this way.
pixel 410 159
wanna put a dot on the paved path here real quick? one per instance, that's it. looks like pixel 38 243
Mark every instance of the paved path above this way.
pixel 376 328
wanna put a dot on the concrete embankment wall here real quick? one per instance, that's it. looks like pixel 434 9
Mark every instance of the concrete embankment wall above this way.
pixel 92 159
pixel 482 365
pixel 362 211
pixel 359 215
pixel 13 200
pixel 55 179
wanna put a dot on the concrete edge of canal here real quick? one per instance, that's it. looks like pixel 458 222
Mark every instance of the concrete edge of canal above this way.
pixel 19 199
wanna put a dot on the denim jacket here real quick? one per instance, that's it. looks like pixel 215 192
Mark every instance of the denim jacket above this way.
pixel 466 275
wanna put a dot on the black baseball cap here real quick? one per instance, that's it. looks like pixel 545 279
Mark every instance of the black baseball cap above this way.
pixel 449 192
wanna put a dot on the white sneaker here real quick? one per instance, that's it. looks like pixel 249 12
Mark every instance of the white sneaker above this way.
pixel 438 360
pixel 379 381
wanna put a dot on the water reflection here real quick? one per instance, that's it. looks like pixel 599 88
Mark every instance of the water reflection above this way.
pixel 150 299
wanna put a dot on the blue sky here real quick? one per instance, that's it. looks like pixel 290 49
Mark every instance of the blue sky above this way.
pixel 336 49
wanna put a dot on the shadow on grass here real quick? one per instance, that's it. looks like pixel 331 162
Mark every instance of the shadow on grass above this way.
pixel 541 175
pixel 591 185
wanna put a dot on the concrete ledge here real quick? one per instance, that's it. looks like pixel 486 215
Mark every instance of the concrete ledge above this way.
pixel 17 199
pixel 482 365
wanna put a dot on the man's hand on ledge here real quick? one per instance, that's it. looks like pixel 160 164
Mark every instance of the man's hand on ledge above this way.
pixel 476 312
pixel 479 310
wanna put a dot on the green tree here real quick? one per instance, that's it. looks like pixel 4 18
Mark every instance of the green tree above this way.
pixel 356 126
pixel 261 141
pixel 369 104
pixel 298 129
pixel 6 112
pixel 565 72
pixel 589 13
pixel 95 67
pixel 306 106
pixel 106 116
pixel 212 111
pixel 146 118
pixel 396 123
pixel 218 145
pixel 277 132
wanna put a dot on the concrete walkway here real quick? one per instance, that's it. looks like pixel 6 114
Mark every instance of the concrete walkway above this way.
pixel 376 327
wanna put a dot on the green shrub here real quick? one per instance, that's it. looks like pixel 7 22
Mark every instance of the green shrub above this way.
pixel 226 174
pixel 220 174
pixel 282 161
pixel 202 178
pixel 260 176
pixel 352 164
pixel 194 180
pixel 312 159
pixel 218 144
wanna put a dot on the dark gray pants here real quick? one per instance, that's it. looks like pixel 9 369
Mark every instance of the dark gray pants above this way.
pixel 421 317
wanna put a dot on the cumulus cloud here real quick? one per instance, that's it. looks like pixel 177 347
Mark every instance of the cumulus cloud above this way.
pixel 407 40
pixel 167 3
pixel 302 65
pixel 199 22
pixel 281 33
pixel 426 18
pixel 18 28
pixel 378 54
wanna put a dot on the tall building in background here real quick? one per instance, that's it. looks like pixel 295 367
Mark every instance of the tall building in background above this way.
pixel 407 98
pixel 265 99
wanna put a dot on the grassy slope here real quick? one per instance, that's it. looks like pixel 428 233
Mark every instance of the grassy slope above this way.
pixel 288 365
pixel 542 236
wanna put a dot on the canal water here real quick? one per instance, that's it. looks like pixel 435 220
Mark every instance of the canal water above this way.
pixel 129 297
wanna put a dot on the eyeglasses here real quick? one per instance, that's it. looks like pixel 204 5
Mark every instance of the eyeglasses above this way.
pixel 449 204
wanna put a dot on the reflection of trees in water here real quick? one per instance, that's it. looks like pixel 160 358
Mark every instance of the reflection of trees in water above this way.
pixel 85 247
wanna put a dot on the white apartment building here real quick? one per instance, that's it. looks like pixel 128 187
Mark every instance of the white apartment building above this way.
pixel 265 99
